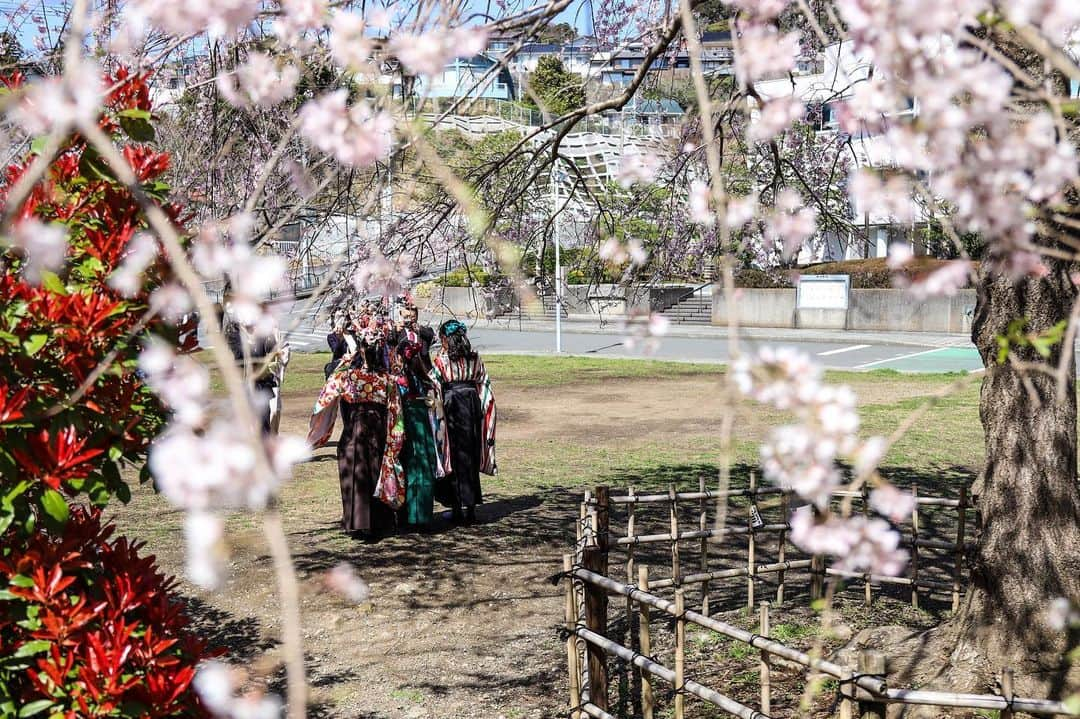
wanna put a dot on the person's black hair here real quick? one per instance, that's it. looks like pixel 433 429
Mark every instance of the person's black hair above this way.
pixel 459 347
pixel 370 356
pixel 417 369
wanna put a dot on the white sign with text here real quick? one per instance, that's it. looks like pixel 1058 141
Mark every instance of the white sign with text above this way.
pixel 823 292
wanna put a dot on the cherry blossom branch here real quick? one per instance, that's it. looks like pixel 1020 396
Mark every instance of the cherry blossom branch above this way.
pixel 234 382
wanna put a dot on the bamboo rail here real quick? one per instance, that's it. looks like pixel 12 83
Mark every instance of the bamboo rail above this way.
pixel 869 680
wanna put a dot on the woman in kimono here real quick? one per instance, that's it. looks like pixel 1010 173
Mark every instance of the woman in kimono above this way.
pixel 369 469
pixel 419 458
pixel 469 409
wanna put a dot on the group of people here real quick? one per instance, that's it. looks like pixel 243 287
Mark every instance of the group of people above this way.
pixel 417 426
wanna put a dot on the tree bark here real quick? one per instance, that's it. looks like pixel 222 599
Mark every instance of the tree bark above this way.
pixel 1028 552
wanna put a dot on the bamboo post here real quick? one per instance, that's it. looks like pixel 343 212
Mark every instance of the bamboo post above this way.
pixel 676 571
pixel 626 673
pixel 958 561
pixel 596 620
pixel 703 525
pixel 751 545
pixel 647 700
pixel 915 547
pixel 764 667
pixel 600 524
pixel 1007 693
pixel 680 654
pixel 871 663
pixel 571 642
pixel 782 549
pixel 817 577
pixel 847 692
pixel 867 591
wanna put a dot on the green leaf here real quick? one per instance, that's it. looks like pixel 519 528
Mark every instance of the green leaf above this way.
pixel 21 580
pixel 51 282
pixel 55 505
pixel 137 128
pixel 35 646
pixel 35 707
pixel 38 144
pixel 135 114
pixel 33 345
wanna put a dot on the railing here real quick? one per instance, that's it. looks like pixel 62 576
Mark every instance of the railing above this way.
pixel 666 305
pixel 862 687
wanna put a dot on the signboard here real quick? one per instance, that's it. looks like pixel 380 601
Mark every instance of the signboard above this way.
pixel 823 292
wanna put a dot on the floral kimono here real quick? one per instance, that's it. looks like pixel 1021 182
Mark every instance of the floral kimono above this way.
pixel 370 445
pixel 469 418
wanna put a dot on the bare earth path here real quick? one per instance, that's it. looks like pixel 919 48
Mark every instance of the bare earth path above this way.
pixel 463 622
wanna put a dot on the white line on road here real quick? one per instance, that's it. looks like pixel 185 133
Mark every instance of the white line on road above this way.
pixel 852 348
pixel 893 359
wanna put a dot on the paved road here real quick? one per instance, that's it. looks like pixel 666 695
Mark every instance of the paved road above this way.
pixel 832 350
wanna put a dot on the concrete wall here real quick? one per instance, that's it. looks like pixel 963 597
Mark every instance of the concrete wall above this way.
pixel 868 310
pixel 757 308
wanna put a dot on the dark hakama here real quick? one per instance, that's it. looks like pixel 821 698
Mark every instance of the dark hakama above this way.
pixel 360 453
pixel 419 463
pixel 464 426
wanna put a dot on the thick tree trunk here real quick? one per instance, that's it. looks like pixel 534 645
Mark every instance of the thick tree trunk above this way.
pixel 1028 552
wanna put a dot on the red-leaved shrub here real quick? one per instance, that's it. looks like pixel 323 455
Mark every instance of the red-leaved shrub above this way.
pixel 89 628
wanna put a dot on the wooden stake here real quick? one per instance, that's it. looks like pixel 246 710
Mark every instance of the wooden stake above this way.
pixel 571 642
pixel 867 596
pixel 703 524
pixel 751 559
pixel 763 666
pixel 958 560
pixel 781 549
pixel 873 663
pixel 630 571
pixel 1007 692
pixel 601 522
pixel 647 700
pixel 915 547
pixel 817 577
pixel 680 654
pixel 596 601
pixel 847 692
pixel 676 570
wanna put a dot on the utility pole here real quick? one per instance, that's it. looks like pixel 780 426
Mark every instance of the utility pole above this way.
pixel 556 177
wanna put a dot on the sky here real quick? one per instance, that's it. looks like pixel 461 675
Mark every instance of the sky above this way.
pixel 578 14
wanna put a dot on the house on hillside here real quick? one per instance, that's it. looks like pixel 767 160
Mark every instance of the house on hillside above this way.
pixel 461 77
pixel 841 70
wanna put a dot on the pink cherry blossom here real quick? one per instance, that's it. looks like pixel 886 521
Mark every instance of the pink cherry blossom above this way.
pixel 427 53
pixel 775 117
pixel 869 455
pixel 644 330
pixel 700 200
pixel 762 9
pixel 741 210
pixel 299 16
pixel 637 168
pixel 945 281
pixel 615 252
pixel 900 254
pixel 1062 614
pixel 44 246
pixel 344 580
pixel 798 459
pixel 891 196
pixel 171 301
pixel 874 548
pixel 783 377
pixel 218 18
pixel 356 135
pixel 891 502
pixel 206 552
pixel 349 42
pixel 259 81
pixel 59 102
pixel 379 275
pixel 127 279
pixel 790 224
pixel 763 52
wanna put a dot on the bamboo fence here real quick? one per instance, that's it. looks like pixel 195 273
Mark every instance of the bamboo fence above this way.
pixel 864 691
pixel 600 506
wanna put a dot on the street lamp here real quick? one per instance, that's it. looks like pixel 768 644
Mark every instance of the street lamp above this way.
pixel 557 176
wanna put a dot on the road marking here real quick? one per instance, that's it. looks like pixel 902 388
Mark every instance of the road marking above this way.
pixel 901 357
pixel 852 348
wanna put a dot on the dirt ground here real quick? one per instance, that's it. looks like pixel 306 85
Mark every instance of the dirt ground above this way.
pixel 463 620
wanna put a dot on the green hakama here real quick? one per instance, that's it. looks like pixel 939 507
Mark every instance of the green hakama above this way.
pixel 419 463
